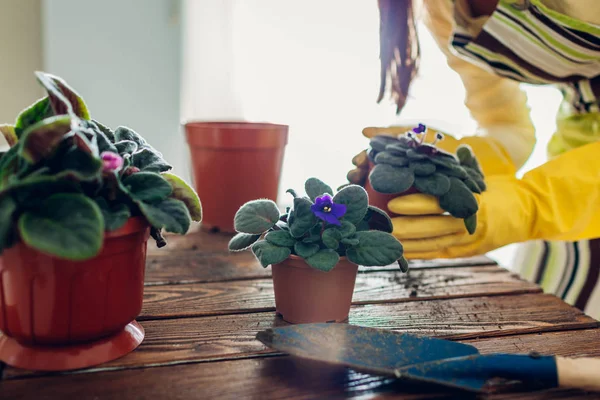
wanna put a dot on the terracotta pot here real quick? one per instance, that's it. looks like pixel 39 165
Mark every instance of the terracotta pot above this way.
pixel 233 163
pixel 306 295
pixel 380 200
pixel 49 301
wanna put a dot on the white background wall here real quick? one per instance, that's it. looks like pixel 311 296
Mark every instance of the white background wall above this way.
pixel 124 58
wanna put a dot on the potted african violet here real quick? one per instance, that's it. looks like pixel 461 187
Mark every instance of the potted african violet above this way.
pixel 315 248
pixel 406 164
pixel 78 202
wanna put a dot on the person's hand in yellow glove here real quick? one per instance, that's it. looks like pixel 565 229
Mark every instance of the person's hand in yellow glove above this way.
pixel 492 157
pixel 557 201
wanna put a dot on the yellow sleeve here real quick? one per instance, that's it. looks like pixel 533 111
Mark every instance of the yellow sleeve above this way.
pixel 497 104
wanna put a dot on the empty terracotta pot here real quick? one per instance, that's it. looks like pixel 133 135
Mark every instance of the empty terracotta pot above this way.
pixel 49 301
pixel 306 295
pixel 233 163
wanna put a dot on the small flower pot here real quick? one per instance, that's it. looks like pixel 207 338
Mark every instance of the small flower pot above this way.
pixel 306 295
pixel 58 314
pixel 234 162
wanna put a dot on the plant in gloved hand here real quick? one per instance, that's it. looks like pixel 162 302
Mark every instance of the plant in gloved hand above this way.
pixel 320 229
pixel 405 163
pixel 66 180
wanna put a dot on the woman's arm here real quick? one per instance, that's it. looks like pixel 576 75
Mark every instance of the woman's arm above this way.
pixel 497 104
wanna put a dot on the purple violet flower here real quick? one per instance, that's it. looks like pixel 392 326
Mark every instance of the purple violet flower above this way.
pixel 111 161
pixel 326 210
pixel 419 129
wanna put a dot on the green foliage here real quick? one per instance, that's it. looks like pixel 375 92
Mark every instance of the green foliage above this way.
pixel 268 254
pixel 361 233
pixel 315 187
pixel 182 191
pixel 375 248
pixel 55 228
pixel 242 241
pixel 306 250
pixel 356 200
pixel 280 238
pixel 8 131
pixel 256 217
pixel 324 260
pixel 33 114
pixel 405 162
pixel 60 197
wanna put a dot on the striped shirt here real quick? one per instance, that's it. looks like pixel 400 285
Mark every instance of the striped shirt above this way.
pixel 528 42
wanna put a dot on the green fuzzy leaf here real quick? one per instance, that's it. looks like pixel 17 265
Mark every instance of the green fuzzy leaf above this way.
pixel 435 185
pixel 8 206
pixel 350 241
pixel 315 187
pixel 403 264
pixel 256 217
pixel 114 217
pixel 459 201
pixel 391 180
pixel 124 133
pixel 347 229
pixel 471 224
pixel 150 160
pixel 69 226
pixel 269 254
pixel 8 131
pixel 375 248
pixel 314 235
pixel 292 192
pixel 63 99
pixel 306 250
pixel 379 220
pixel 467 158
pixel 33 190
pixel 280 238
pixel 356 200
pixel 147 187
pixel 331 238
pixel 126 147
pixel 472 185
pixel 33 114
pixel 242 241
pixel 477 177
pixel 325 260
pixel 412 154
pixel 106 130
pixel 170 214
pixel 40 140
pixel 422 168
pixel 304 219
pixel 77 165
pixel 363 226
pixel 380 142
pixel 388 158
pixel 396 149
pixel 182 191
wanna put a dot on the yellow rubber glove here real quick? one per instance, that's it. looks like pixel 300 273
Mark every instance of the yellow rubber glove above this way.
pixel 492 157
pixel 556 201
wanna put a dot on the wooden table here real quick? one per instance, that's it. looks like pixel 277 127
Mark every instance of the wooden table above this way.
pixel 203 308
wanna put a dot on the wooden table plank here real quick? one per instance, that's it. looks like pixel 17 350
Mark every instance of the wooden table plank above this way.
pixel 233 336
pixel 256 295
pixel 283 377
pixel 203 257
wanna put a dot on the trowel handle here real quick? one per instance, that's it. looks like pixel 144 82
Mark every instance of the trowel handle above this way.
pixel 579 373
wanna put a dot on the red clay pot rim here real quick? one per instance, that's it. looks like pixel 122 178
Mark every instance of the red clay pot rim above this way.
pixel 133 225
pixel 234 124
pixel 305 264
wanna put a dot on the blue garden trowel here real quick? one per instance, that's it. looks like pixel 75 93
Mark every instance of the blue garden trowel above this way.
pixel 425 359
